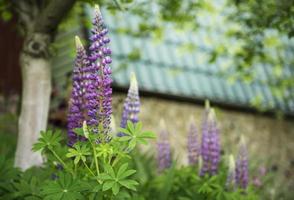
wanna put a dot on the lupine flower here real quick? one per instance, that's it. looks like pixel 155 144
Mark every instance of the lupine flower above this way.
pixel 210 144
pixel 231 178
pixel 131 107
pixel 91 94
pixel 242 166
pixel 75 114
pixel 257 179
pixel 163 149
pixel 193 149
pixel 98 77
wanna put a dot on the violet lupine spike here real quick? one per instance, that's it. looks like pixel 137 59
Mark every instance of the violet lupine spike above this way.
pixel 215 144
pixel 99 89
pixel 131 107
pixel 192 143
pixel 210 144
pixel 75 116
pixel 231 177
pixel 163 149
pixel 242 176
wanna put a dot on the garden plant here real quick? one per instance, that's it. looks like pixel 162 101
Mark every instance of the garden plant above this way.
pixel 98 161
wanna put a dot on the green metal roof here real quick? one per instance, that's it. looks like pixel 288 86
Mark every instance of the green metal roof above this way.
pixel 161 68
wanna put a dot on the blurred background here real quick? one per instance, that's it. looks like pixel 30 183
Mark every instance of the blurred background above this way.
pixel 237 54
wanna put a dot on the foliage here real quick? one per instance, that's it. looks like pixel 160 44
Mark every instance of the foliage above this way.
pixel 96 168
pixel 184 183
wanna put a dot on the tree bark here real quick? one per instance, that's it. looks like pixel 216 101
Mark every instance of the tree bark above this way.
pixel 36 75
pixel 40 27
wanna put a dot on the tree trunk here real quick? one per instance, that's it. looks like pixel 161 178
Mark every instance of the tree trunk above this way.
pixel 39 21
pixel 36 74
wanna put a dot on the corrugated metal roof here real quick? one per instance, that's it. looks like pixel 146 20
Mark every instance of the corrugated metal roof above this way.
pixel 161 68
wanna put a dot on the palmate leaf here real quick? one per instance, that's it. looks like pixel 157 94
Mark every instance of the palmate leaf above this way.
pixel 79 152
pixel 115 181
pixel 130 184
pixel 104 150
pixel 64 188
pixel 134 135
pixel 48 139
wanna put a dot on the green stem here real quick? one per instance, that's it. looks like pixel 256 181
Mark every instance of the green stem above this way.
pixel 95 157
pixel 116 160
pixel 61 161
pixel 91 172
pixel 75 170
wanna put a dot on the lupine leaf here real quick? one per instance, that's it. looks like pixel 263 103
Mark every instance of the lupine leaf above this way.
pixel 127 174
pixel 65 188
pixel 132 143
pixel 123 130
pixel 130 184
pixel 131 127
pixel 48 139
pixel 115 188
pixel 125 138
pixel 138 127
pixel 147 134
pixel 110 170
pixel 107 185
pixel 121 170
pixel 105 176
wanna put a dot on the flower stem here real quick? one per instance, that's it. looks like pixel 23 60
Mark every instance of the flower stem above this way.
pixel 91 172
pixel 61 161
pixel 95 157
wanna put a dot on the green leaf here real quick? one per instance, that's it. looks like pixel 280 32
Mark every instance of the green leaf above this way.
pixel 48 140
pixel 121 170
pixel 105 176
pixel 125 138
pixel 109 170
pixel 125 131
pixel 115 188
pixel 107 185
pixel 127 174
pixel 131 127
pixel 142 141
pixel 130 184
pixel 65 188
pixel 138 127
pixel 132 143
pixel 147 134
pixel 79 131
pixel 79 152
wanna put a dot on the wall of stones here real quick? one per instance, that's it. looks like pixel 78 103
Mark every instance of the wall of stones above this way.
pixel 270 140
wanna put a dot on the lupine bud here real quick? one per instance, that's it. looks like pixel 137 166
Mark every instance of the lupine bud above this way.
pixel 131 107
pixel 200 164
pixel 192 143
pixel 210 144
pixel 163 149
pixel 76 108
pixel 231 178
pixel 242 166
pixel 85 130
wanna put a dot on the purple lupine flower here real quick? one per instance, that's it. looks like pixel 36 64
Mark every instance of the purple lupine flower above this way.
pixel 257 179
pixel 163 149
pixel 210 144
pixel 131 107
pixel 231 177
pixel 242 177
pixel 98 77
pixel 75 114
pixel 192 143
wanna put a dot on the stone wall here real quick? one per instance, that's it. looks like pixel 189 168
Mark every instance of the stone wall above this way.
pixel 270 140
